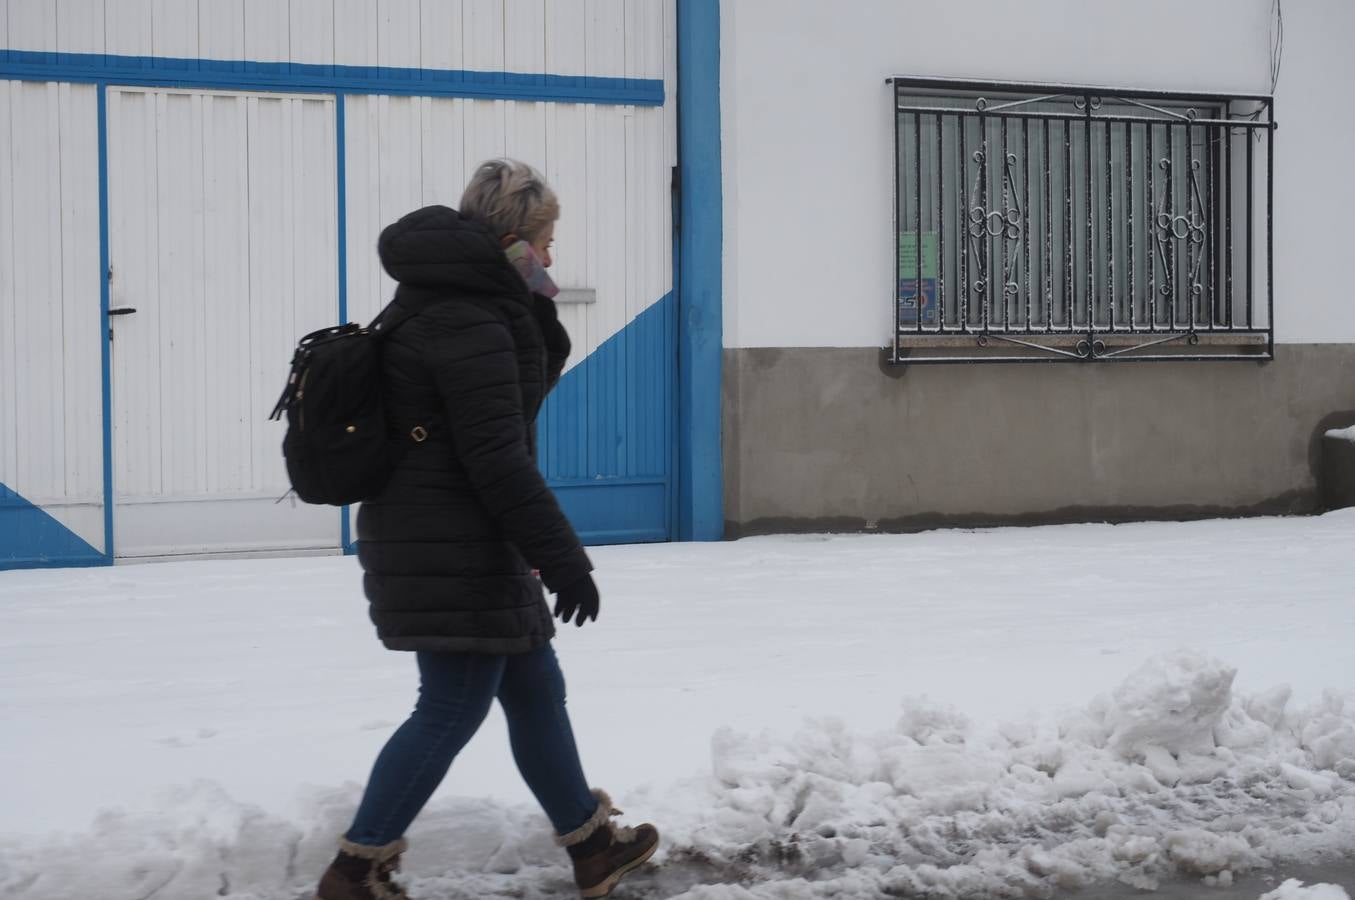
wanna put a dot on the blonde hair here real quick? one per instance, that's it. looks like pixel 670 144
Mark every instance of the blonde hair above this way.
pixel 511 198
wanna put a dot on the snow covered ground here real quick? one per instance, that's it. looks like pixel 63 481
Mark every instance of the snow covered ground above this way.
pixel 1006 713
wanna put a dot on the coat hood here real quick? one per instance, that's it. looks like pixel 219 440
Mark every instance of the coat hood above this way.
pixel 437 247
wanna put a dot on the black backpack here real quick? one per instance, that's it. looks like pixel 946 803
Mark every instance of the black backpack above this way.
pixel 339 447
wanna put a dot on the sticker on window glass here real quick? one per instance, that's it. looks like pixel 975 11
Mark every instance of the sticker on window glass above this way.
pixel 917 296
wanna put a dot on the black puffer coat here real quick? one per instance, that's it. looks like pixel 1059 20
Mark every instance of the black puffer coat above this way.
pixel 448 547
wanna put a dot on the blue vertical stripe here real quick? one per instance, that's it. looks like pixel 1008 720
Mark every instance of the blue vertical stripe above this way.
pixel 700 472
pixel 106 349
pixel 670 424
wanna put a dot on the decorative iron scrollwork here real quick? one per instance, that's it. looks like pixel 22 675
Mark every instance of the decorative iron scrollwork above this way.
pixel 1172 228
pixel 986 222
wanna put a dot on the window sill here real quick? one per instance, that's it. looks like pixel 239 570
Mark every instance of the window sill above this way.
pixel 1012 346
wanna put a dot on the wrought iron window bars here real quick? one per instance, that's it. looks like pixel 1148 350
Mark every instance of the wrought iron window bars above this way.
pixel 1050 223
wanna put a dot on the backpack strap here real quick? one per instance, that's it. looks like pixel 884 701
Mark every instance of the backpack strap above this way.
pixel 396 313
pixel 392 317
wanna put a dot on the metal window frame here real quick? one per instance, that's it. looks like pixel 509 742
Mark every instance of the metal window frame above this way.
pixel 952 338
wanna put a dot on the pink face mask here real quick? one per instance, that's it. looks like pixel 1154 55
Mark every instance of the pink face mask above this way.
pixel 529 266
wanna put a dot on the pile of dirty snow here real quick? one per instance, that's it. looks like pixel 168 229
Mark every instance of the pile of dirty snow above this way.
pixel 1172 774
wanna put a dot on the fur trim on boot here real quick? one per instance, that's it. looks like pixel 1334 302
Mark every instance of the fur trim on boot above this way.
pixel 362 872
pixel 603 852
pixel 601 817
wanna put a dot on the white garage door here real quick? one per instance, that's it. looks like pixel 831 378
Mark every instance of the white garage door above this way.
pixel 222 238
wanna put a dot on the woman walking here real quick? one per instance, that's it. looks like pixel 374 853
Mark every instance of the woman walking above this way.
pixel 449 548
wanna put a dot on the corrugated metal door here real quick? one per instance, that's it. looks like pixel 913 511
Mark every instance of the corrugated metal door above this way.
pixel 51 401
pixel 223 239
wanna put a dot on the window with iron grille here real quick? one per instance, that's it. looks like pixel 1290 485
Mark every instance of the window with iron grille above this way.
pixel 1047 223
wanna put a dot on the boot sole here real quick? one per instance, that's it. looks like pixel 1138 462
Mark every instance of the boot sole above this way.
pixel 605 887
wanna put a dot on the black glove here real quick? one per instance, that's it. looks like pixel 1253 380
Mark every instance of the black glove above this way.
pixel 578 597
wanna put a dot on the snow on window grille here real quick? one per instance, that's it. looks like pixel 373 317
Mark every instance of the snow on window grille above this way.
pixel 1053 222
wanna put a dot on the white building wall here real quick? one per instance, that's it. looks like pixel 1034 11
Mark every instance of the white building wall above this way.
pixel 808 138
pixel 1314 194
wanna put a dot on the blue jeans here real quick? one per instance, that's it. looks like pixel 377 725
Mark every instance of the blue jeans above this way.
pixel 455 693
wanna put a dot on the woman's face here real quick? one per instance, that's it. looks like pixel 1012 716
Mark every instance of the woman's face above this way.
pixel 543 242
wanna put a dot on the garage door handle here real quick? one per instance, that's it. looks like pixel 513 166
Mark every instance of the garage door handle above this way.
pixel 122 311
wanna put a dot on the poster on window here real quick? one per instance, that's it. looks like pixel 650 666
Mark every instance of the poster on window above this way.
pixel 917 295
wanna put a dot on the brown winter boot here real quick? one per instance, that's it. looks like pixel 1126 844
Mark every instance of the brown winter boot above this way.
pixel 603 852
pixel 360 872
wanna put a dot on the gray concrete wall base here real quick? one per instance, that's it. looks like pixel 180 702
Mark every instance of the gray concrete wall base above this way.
pixel 823 439
pixel 1338 472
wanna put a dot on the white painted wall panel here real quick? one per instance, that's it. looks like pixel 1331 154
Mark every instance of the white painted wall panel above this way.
pixel 484 35
pixel 51 431
pixel 32 25
pixel 9 336
pixel 400 164
pixel 566 168
pixel 441 34
pixel 129 27
pixel 175 28
pixel 37 256
pixel 524 49
pixel 267 31
pixel 79 25
pixel 221 26
pixel 486 130
pixel 228 401
pixel 179 306
pixel 311 25
pixel 363 198
pixel 443 153
pixel 355 32
pixel 133 235
pixel 81 328
pixel 397 29
pixel 566 37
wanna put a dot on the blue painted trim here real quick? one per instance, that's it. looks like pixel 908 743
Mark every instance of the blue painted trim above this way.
pixel 700 277
pixel 604 435
pixel 341 203
pixel 178 72
pixel 31 537
pixel 607 480
pixel 341 237
pixel 73 562
pixel 105 342
pixel 674 383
